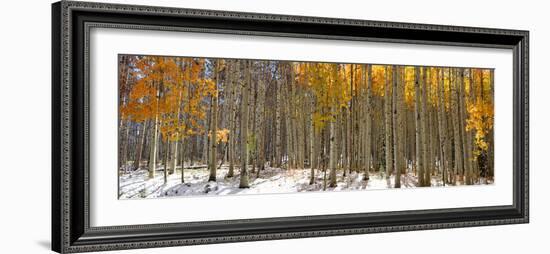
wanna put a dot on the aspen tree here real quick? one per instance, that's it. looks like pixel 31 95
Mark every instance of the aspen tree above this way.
pixel 418 127
pixel 396 130
pixel 388 121
pixel 232 115
pixel 442 126
pixel 425 130
pixel 246 89
pixel 214 125
pixel 368 117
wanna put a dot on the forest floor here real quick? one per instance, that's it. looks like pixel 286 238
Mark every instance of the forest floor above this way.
pixel 136 184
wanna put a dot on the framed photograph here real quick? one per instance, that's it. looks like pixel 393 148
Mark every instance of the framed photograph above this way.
pixel 181 126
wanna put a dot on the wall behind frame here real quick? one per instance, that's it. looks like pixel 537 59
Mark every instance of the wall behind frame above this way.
pixel 25 129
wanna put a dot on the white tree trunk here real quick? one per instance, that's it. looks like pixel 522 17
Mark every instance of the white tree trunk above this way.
pixel 244 127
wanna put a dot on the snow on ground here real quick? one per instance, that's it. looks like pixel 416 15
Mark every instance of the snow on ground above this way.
pixel 272 180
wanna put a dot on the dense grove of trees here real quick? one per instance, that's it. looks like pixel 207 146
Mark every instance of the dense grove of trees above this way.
pixel 180 113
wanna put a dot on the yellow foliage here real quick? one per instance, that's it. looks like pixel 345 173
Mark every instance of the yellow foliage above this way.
pixel 170 89
pixel 480 120
pixel 173 90
pixel 222 135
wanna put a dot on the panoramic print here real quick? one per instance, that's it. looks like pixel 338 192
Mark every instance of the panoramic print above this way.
pixel 194 126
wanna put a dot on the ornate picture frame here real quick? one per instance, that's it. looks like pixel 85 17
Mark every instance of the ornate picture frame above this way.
pixel 71 24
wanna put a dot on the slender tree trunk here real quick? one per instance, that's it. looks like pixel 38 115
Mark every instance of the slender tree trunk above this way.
pixel 456 128
pixel 332 156
pixel 424 131
pixel 182 158
pixel 166 154
pixel 388 123
pixel 491 134
pixel 253 135
pixel 214 127
pixel 153 156
pixel 402 119
pixel 332 153
pixel 368 158
pixel 418 127
pixel 396 130
pixel 232 116
pixel 244 126
pixel 442 124
pixel 124 136
pixel 139 153
pixel 313 141
pixel 288 155
pixel 260 145
pixel 325 154
pixel 278 125
pixel 471 137
pixel 352 140
pixel 345 141
pixel 206 140
pixel 429 129
pixel 175 143
pixel 464 141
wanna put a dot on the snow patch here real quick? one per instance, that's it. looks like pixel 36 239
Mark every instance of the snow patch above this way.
pixel 136 184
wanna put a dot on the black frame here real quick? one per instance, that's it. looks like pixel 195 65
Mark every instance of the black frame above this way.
pixel 71 22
